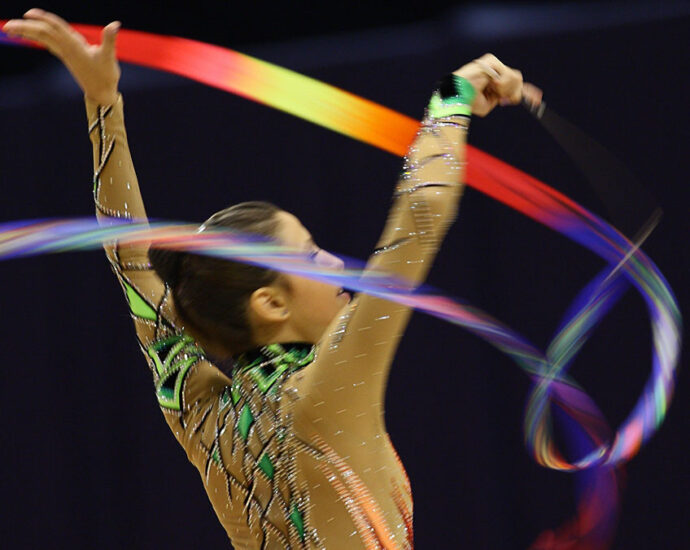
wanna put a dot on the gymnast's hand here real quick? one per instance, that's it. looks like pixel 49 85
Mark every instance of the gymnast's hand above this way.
pixel 496 83
pixel 95 68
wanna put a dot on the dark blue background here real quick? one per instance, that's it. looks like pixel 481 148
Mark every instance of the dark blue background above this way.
pixel 86 459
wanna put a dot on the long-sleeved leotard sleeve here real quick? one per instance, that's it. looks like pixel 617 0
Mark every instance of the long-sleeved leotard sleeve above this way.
pixel 117 198
pixel 351 369
pixel 337 402
pixel 172 356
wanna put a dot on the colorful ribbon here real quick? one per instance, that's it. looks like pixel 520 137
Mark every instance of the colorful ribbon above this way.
pixel 391 131
pixel 18 239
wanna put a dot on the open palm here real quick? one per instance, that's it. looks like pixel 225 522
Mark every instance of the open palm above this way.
pixel 94 67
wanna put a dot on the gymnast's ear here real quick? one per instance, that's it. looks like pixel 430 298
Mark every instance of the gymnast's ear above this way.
pixel 268 305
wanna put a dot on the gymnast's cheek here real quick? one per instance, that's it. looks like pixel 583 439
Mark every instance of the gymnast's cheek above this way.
pixel 313 305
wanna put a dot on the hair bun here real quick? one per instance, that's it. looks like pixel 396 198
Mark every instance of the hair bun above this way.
pixel 166 263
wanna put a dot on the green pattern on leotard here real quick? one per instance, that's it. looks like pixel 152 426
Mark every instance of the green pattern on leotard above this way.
pixel 265 372
pixel 137 305
pixel 172 358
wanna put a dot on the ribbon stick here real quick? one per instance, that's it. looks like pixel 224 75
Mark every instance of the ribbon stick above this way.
pixel 376 125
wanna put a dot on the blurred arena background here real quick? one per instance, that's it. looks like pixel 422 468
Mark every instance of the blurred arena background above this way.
pixel 87 461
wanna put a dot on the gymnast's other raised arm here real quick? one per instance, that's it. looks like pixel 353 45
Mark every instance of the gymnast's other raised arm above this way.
pixel 347 381
pixel 115 186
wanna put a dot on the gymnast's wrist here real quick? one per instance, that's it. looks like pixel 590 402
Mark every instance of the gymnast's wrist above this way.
pixel 103 98
pixel 453 97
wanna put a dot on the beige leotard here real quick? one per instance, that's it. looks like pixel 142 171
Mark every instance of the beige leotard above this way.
pixel 291 445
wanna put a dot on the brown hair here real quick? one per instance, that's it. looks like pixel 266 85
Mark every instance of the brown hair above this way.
pixel 212 295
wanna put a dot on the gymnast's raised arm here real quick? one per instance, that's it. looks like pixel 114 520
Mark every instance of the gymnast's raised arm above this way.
pixel 115 186
pixel 348 379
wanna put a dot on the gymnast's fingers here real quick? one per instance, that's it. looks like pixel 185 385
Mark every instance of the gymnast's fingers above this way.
pixel 95 68
pixel 491 65
pixel 38 31
pixel 56 22
pixel 505 81
pixel 508 86
pixel 532 95
pixel 108 38
pixel 514 87
pixel 60 27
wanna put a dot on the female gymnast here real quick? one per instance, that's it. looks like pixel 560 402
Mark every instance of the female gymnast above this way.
pixel 274 384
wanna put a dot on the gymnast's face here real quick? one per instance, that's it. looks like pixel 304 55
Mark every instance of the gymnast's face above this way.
pixel 295 308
